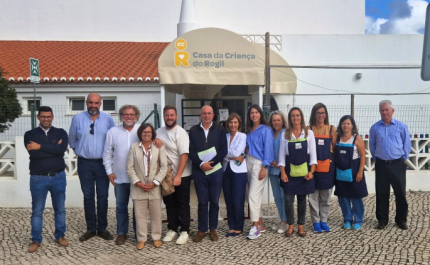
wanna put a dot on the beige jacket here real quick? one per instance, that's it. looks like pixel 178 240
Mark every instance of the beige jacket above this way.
pixel 136 171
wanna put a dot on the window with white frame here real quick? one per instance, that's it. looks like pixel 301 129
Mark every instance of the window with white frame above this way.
pixel 77 104
pixel 109 104
pixel 28 102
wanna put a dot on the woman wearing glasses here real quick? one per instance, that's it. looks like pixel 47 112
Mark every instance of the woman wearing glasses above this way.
pixel 296 153
pixel 325 140
pixel 146 168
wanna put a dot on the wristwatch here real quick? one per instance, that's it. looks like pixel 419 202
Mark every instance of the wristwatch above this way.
pixel 265 166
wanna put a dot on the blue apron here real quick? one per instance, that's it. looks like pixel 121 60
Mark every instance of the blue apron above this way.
pixel 346 172
pixel 325 170
pixel 296 168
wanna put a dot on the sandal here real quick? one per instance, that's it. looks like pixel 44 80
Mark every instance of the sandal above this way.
pixel 301 232
pixel 290 231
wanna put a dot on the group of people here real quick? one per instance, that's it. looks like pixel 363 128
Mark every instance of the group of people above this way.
pixel 300 161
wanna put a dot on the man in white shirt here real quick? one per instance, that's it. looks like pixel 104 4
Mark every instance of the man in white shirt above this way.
pixel 176 142
pixel 118 142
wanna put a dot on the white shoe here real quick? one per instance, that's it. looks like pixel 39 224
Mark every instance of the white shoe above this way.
pixel 170 235
pixel 183 238
pixel 276 225
pixel 282 228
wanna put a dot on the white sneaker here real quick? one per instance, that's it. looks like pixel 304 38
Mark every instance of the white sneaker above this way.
pixel 183 238
pixel 254 233
pixel 170 235
pixel 276 225
pixel 282 228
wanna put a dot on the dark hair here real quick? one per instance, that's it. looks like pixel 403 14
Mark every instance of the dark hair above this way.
pixel 167 107
pixel 143 127
pixel 44 109
pixel 354 130
pixel 249 122
pixel 230 118
pixel 289 131
pixel 280 113
pixel 313 117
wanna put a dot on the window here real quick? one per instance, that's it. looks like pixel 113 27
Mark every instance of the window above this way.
pixel 27 103
pixel 76 105
pixel 109 105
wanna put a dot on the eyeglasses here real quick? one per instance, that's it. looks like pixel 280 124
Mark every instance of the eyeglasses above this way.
pixel 128 115
pixel 45 117
pixel 320 113
pixel 92 129
pixel 146 132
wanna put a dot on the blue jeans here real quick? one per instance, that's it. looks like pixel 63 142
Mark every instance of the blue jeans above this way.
pixel 234 186
pixel 93 178
pixel 278 195
pixel 208 189
pixel 122 194
pixel 39 187
pixel 357 209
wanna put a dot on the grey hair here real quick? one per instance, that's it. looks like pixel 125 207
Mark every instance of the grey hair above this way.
pixel 386 101
pixel 280 113
pixel 133 107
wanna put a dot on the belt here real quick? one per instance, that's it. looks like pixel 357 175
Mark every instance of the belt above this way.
pixel 50 174
pixel 391 161
pixel 94 160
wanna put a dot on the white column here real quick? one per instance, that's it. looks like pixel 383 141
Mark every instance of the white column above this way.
pixel 163 103
pixel 260 96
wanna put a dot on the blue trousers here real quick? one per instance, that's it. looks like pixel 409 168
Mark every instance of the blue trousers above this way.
pixel 278 194
pixel 93 178
pixel 39 187
pixel 208 189
pixel 234 187
pixel 348 211
pixel 122 195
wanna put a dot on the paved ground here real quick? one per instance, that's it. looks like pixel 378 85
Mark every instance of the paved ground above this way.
pixel 367 246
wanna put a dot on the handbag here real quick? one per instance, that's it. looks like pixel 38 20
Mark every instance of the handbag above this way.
pixel 167 187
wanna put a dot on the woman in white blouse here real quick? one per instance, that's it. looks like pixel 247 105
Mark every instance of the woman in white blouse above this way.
pixel 235 177
pixel 296 153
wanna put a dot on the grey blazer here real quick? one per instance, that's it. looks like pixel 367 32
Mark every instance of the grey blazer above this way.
pixel 136 171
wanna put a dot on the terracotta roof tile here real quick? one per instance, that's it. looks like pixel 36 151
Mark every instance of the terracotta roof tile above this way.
pixel 79 59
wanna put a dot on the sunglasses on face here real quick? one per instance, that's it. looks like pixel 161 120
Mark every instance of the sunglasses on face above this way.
pixel 92 129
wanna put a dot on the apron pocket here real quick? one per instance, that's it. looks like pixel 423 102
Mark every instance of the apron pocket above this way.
pixel 323 166
pixel 344 175
pixel 299 171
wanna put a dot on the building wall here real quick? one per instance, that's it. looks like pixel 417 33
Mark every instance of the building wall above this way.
pixel 149 20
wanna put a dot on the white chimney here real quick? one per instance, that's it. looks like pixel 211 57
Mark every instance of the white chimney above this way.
pixel 187 21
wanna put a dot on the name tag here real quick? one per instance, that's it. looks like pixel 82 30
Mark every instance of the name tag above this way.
pixel 343 151
pixel 320 141
pixel 298 145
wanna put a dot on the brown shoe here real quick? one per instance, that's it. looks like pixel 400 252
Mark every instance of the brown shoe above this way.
pixel 34 246
pixel 157 243
pixel 120 239
pixel 213 235
pixel 140 245
pixel 63 242
pixel 199 237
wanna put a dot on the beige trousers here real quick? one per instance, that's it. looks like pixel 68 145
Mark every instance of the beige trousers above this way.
pixel 255 187
pixel 141 211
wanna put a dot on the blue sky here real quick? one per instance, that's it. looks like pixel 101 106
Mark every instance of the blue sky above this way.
pixel 395 16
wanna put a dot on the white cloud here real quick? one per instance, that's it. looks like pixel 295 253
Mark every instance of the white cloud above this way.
pixel 412 24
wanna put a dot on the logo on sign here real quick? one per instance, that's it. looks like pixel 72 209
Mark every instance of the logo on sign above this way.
pixel 181 56
pixel 34 70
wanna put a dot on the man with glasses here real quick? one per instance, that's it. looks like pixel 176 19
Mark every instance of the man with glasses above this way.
pixel 117 146
pixel 87 137
pixel 46 146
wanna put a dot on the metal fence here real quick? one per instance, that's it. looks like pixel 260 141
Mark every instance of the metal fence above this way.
pixel 416 117
pixel 63 118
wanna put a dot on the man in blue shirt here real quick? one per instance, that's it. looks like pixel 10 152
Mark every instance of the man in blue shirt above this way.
pixel 46 146
pixel 87 137
pixel 390 146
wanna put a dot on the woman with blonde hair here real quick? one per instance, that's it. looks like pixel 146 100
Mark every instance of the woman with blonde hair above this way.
pixel 296 153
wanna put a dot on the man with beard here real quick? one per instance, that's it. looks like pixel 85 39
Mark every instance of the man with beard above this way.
pixel 117 145
pixel 87 137
pixel 177 204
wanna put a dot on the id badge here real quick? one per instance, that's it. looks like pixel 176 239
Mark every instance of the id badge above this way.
pixel 343 151
pixel 320 141
pixel 298 145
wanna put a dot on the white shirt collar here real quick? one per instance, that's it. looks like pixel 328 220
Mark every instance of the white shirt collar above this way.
pixel 46 131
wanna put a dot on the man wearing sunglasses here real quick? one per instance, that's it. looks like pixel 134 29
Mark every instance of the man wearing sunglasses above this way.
pixel 46 146
pixel 87 137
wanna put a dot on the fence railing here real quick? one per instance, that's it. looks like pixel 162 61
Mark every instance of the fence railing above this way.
pixel 416 117
pixel 63 118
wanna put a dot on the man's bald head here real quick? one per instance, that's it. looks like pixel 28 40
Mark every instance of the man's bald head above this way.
pixel 207 115
pixel 94 102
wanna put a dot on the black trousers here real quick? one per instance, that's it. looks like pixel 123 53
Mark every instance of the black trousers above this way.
pixel 393 174
pixel 178 207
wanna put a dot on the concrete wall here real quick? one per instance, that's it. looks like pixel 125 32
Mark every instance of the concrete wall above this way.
pixel 149 20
